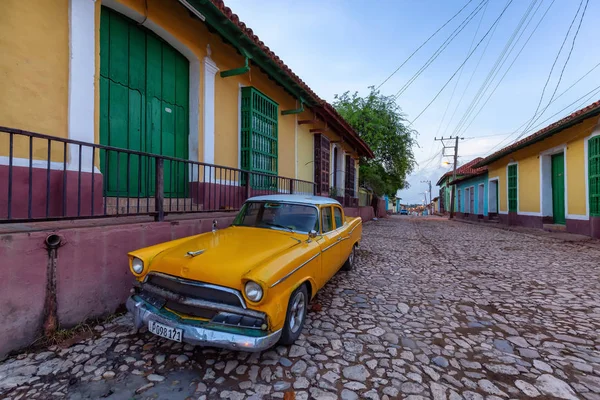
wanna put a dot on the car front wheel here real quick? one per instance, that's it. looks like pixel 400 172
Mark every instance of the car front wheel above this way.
pixel 295 317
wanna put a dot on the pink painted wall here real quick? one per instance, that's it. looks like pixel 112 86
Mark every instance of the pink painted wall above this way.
pixel 92 272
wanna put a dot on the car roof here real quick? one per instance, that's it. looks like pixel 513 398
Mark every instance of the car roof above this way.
pixel 296 198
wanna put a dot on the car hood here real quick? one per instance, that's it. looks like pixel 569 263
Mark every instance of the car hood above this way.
pixel 225 256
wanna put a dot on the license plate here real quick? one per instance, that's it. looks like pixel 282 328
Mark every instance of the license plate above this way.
pixel 165 331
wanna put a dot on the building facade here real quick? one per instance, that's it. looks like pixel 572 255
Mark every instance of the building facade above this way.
pixel 472 195
pixel 116 86
pixel 552 176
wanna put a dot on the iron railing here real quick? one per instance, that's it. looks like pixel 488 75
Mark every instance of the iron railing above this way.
pixel 50 178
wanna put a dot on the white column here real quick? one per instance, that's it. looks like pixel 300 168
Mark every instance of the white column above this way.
pixel 210 70
pixel 82 70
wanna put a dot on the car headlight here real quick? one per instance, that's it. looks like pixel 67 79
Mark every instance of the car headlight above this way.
pixel 137 265
pixel 253 291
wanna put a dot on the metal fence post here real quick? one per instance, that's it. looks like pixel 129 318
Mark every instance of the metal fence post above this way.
pixel 291 186
pixel 159 194
pixel 247 186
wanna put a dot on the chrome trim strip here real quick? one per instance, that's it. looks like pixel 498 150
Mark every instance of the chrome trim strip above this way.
pixel 294 270
pixel 199 284
pixel 189 301
pixel 198 335
pixel 330 246
pixel 357 225
pixel 345 238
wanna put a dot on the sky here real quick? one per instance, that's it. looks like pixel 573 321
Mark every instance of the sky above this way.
pixel 349 45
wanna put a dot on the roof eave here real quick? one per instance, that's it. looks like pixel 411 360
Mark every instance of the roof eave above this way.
pixel 545 135
pixel 238 38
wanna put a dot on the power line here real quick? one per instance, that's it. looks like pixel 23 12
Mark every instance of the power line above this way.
pixel 568 57
pixel 553 65
pixel 461 71
pixel 464 62
pixel 512 63
pixel 555 99
pixel 424 43
pixel 442 47
pixel 500 61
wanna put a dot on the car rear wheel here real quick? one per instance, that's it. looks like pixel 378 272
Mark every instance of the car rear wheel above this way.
pixel 295 317
pixel 349 264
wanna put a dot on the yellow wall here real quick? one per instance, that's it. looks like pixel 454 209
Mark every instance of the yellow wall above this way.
pixel 34 76
pixel 529 170
pixel 306 166
pixel 34 72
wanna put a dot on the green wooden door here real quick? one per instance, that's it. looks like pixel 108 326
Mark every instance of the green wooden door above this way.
pixel 144 92
pixel 558 188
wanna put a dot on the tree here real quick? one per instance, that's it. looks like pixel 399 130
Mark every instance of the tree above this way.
pixel 381 124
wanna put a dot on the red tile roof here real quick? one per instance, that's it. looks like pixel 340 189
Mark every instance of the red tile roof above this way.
pixel 465 169
pixel 576 117
pixel 328 109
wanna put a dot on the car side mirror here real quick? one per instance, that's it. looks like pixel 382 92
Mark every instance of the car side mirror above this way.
pixel 312 234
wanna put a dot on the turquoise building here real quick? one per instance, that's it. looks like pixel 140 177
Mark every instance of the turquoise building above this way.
pixel 472 194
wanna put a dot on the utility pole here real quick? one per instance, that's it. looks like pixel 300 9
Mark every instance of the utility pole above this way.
pixel 454 169
pixel 429 183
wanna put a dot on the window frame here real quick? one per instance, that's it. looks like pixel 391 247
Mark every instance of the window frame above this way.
pixel 323 231
pixel 512 201
pixel 594 175
pixel 341 215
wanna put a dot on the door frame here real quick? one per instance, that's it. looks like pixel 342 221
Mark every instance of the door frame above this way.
pixel 546 200
pixel 496 200
pixel 480 199
pixel 84 82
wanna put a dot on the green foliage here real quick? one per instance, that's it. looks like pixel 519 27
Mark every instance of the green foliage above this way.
pixel 381 124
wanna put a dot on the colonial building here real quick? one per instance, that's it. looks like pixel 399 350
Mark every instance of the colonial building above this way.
pixel 121 99
pixel 552 176
pixel 446 188
pixel 472 192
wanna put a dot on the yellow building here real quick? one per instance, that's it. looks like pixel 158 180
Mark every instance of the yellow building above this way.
pixel 550 177
pixel 106 103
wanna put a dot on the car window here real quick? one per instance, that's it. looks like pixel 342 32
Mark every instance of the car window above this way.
pixel 337 214
pixel 327 220
pixel 276 215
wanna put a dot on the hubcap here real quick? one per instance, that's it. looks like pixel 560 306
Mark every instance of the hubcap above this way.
pixel 297 312
pixel 351 258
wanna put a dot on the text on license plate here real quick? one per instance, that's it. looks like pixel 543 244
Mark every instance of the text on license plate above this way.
pixel 165 331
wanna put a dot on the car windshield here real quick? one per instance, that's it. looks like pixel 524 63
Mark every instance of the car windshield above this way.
pixel 275 215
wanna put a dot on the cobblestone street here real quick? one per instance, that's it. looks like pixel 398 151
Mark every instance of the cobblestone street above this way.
pixel 434 309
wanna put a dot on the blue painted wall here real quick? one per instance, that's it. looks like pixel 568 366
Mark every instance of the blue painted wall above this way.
pixel 473 182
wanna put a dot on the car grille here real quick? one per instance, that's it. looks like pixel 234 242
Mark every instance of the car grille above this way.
pixel 190 310
pixel 196 290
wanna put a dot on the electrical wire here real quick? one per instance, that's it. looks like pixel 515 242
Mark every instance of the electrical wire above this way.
pixel 423 44
pixel 461 71
pixel 500 61
pixel 442 47
pixel 567 60
pixel 553 65
pixel 465 61
pixel 464 129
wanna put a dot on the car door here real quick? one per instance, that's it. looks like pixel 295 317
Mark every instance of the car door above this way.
pixel 329 243
pixel 342 232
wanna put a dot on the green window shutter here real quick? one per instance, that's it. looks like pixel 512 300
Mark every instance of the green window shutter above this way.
pixel 512 188
pixel 259 137
pixel 594 175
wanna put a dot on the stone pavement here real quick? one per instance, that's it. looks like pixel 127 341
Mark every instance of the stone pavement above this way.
pixel 434 309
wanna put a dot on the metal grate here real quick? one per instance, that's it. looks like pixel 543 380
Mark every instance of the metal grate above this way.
pixel 594 175
pixel 512 188
pixel 196 290
pixel 259 137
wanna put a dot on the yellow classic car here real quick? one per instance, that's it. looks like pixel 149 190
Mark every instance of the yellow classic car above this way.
pixel 245 287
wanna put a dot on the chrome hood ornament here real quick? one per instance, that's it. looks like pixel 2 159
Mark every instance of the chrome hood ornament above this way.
pixel 195 253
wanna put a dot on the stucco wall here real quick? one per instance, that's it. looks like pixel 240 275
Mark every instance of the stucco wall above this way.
pixel 474 183
pixel 34 72
pixel 528 159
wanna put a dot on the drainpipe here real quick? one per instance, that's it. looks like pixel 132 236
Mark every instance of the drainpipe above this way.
pixel 52 242
pixel 238 71
pixel 296 111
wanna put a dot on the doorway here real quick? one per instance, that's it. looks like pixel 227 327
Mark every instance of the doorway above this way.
pixel 558 188
pixel 493 205
pixel 480 195
pixel 144 96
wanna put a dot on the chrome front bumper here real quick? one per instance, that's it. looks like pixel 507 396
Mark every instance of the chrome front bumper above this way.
pixel 197 335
